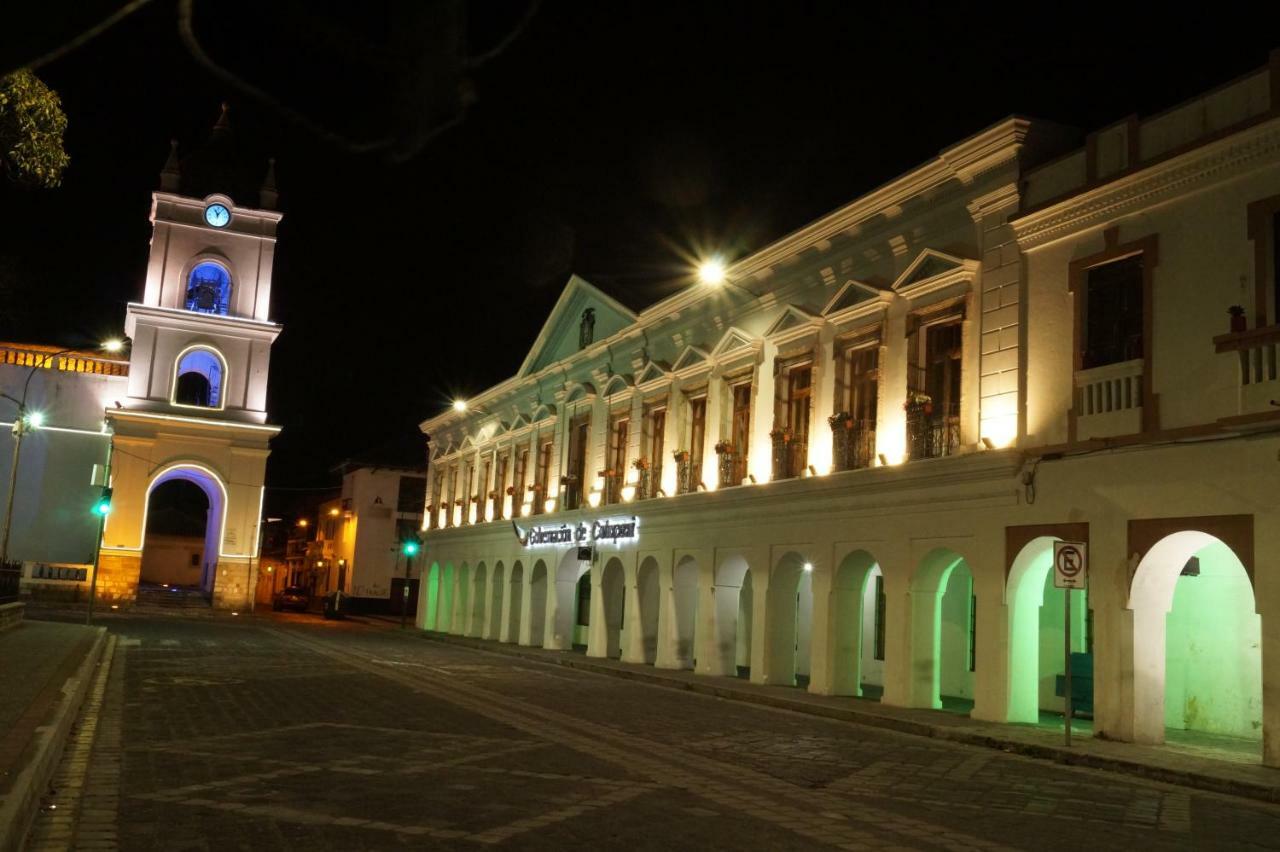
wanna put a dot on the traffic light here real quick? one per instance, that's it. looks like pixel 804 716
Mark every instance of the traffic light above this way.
pixel 409 548
pixel 103 506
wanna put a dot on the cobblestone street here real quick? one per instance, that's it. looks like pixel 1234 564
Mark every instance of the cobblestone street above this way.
pixel 291 733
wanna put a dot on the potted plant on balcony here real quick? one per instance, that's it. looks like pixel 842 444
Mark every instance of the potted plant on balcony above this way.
pixel 1239 322
pixel 681 456
pixel 641 463
pixel 723 447
pixel 781 435
pixel 511 491
pixel 841 420
pixel 918 403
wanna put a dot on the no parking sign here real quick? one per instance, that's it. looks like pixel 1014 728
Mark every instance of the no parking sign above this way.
pixel 1070 564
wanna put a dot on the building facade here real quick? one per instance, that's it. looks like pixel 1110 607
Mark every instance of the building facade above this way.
pixel 363 531
pixel 846 467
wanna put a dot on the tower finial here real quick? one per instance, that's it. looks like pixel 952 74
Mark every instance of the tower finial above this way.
pixel 268 195
pixel 171 175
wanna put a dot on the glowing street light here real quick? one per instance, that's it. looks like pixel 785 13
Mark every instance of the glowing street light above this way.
pixel 35 419
pixel 460 405
pixel 711 272
pixel 808 567
pixel 113 345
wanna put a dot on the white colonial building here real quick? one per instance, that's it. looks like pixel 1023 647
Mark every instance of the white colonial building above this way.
pixel 846 466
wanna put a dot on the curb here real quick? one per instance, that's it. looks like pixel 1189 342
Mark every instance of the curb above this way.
pixel 1120 766
pixel 19 807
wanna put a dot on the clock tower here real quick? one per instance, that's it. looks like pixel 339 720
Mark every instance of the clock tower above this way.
pixel 196 407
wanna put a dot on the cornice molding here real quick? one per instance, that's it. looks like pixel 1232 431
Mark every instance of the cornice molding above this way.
pixel 1185 173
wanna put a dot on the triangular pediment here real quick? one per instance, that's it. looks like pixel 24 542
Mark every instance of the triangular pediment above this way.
pixel 733 340
pixel 560 335
pixel 931 265
pixel 852 293
pixel 519 422
pixel 652 372
pixel 617 384
pixel 790 319
pixel 692 356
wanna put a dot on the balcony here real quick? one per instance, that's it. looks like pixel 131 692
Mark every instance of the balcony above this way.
pixel 790 454
pixel 1258 351
pixel 614 480
pixel 731 465
pixel 933 430
pixel 853 442
pixel 571 492
pixel 684 472
pixel 1109 400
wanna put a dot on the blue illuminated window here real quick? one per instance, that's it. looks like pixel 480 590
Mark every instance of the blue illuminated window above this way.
pixel 199 379
pixel 209 289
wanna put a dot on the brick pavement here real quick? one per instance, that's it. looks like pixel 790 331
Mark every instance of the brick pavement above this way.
pixel 343 737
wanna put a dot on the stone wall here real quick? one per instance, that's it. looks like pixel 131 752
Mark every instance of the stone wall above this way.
pixel 118 578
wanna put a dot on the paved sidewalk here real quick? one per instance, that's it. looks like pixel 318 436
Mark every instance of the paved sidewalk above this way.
pixel 42 666
pixel 1193 761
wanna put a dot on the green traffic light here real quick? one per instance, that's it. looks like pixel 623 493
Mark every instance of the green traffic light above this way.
pixel 410 548
pixel 103 506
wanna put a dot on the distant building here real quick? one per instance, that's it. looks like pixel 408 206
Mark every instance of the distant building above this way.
pixel 363 530
pixel 846 466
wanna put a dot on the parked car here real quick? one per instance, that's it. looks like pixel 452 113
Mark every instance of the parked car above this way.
pixel 291 597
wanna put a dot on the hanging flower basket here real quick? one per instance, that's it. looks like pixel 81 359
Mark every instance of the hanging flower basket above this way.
pixel 680 455
pixel 724 447
pixel 511 490
pixel 843 419
pixel 641 464
pixel 783 435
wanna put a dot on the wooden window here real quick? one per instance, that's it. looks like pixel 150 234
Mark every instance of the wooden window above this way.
pixel 740 430
pixel 860 373
pixel 468 490
pixel 1113 310
pixel 482 488
pixel 943 356
pixel 697 439
pixel 656 423
pixel 799 401
pixel 541 475
pixel 500 484
pixel 1264 231
pixel 616 475
pixel 579 430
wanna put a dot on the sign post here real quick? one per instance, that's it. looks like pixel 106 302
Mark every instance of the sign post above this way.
pixel 1070 571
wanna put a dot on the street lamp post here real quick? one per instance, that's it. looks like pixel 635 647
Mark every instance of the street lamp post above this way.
pixel 102 509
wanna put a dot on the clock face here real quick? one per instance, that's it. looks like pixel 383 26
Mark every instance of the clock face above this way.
pixel 217 215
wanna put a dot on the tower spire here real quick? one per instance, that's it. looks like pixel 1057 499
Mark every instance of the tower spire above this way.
pixel 171 174
pixel 268 195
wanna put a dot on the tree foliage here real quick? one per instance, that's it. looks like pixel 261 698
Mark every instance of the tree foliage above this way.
pixel 32 124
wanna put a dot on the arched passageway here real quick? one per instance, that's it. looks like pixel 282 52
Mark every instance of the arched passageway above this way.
pixel 1036 623
pixel 444 608
pixel 493 625
pixel 431 616
pixel 649 591
pixel 853 578
pixel 568 626
pixel 182 534
pixel 612 594
pixel 684 592
pixel 462 601
pixel 943 611
pixel 515 600
pixel 538 604
pixel 732 621
pixel 1197 641
pixel 475 627
pixel 789 616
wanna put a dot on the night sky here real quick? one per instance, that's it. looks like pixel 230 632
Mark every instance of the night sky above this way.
pixel 615 140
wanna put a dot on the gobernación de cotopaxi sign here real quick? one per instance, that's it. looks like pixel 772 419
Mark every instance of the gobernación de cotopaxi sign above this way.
pixel 604 530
